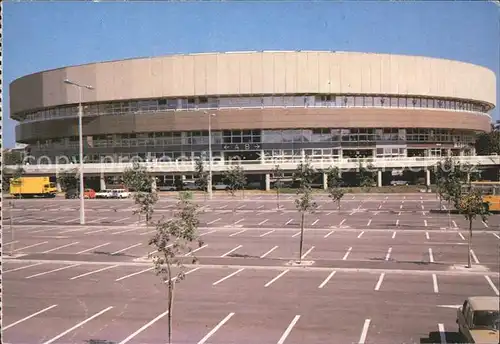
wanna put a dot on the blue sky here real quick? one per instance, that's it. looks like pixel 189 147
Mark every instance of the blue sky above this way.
pixel 40 36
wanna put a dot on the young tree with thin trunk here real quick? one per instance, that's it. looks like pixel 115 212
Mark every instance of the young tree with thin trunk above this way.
pixel 235 179
pixel 278 176
pixel 172 241
pixel 140 181
pixel 305 203
pixel 201 176
pixel 335 191
pixel 471 205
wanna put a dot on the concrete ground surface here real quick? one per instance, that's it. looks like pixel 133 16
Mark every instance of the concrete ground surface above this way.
pixel 385 269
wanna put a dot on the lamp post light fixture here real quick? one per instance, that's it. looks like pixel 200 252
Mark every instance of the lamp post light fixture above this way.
pixel 209 186
pixel 80 129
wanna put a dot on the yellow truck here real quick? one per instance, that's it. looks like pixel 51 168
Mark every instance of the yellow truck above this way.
pixel 32 187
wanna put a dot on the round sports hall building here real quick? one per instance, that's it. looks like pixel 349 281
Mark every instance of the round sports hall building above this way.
pixel 262 106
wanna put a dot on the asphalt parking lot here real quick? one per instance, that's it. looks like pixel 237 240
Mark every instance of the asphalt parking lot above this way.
pixel 386 270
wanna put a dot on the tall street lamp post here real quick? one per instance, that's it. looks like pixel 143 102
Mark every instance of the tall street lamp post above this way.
pixel 209 186
pixel 80 115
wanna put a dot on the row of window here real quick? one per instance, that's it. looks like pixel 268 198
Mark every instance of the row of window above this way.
pixel 316 154
pixel 164 139
pixel 202 103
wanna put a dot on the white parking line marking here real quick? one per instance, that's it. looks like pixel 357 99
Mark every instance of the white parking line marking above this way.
pixel 125 249
pixel 93 248
pixel 431 256
pixel 328 234
pixel 288 329
pixel 209 232
pixel 63 246
pixel 495 234
pixel 379 283
pixel 195 250
pixel 271 250
pixel 341 222
pixel 307 252
pixel 422 206
pixel 125 231
pixel 474 256
pixel 126 340
pixel 214 221
pixel 98 231
pixel 326 279
pixel 186 273
pixel 133 274
pixel 241 206
pixel 380 206
pixel 228 276
pixel 329 213
pixel 219 325
pixel 461 236
pixel 492 285
pixel 70 220
pixel 296 234
pixel 484 223
pixel 10 242
pixel 266 233
pixel 288 222
pixel 435 283
pixel 262 222
pixel 399 214
pixel 22 268
pixel 231 251
pixel 393 234
pixel 388 255
pixel 397 222
pixel 360 234
pixel 369 222
pixel 97 220
pixel 425 223
pixel 30 246
pixel 238 221
pixel 442 333
pixel 347 253
pixel 454 224
pixel 120 220
pixel 234 234
pixel 77 325
pixel 93 272
pixel 401 206
pixel 260 207
pixel 275 278
pixel 54 270
pixel 315 222
pixel 427 235
pixel 364 331
pixel 28 317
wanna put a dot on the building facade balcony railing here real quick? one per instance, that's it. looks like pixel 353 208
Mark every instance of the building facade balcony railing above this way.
pixel 232 103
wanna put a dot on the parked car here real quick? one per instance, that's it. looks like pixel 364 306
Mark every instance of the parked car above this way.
pixel 120 193
pixel 167 188
pixel 75 193
pixel 104 194
pixel 189 185
pixel 399 182
pixel 478 320
pixel 220 186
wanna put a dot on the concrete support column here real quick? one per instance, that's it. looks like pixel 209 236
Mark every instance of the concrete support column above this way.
pixel 268 182
pixel 262 158
pixel 103 181
pixel 428 177
pixel 58 186
pixel 325 181
pixel 379 178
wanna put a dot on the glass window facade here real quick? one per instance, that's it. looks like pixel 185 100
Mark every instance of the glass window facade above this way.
pixel 281 101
